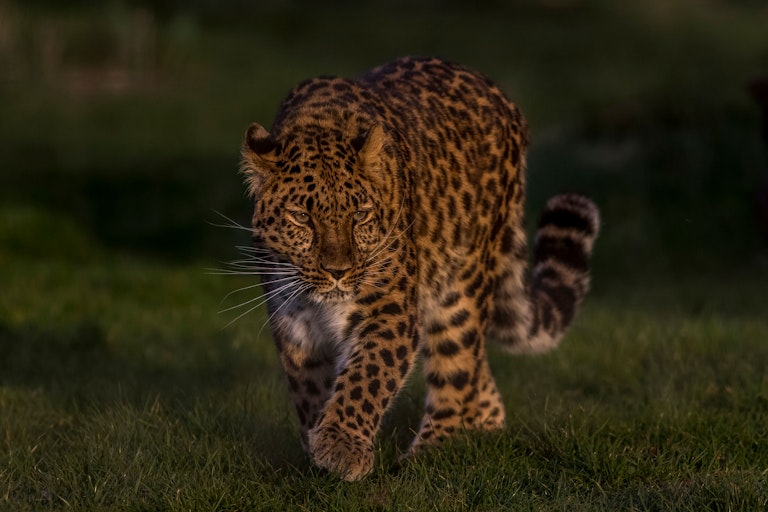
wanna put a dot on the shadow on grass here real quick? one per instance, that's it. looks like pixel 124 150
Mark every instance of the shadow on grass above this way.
pixel 215 393
pixel 80 366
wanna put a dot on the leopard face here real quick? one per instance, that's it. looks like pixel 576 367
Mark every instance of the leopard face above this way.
pixel 318 207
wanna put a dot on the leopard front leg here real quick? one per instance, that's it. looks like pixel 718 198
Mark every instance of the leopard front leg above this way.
pixel 309 367
pixel 382 353
pixel 311 378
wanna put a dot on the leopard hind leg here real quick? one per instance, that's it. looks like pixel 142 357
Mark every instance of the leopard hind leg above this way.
pixel 461 392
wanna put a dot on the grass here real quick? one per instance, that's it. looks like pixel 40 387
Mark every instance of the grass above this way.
pixel 122 388
pixel 121 391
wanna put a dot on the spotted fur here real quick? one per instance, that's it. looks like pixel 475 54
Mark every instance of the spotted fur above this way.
pixel 388 222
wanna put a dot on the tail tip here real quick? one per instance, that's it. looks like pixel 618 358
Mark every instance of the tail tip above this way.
pixel 573 212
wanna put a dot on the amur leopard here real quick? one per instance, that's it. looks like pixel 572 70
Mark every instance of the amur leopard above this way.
pixel 388 225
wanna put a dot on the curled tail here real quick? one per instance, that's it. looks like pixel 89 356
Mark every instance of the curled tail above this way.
pixel 535 321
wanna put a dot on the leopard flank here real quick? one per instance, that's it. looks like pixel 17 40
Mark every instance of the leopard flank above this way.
pixel 388 225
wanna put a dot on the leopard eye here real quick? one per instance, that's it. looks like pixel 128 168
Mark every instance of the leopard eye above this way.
pixel 361 216
pixel 300 217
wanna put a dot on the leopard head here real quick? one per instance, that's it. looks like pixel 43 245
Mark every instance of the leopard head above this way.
pixel 322 204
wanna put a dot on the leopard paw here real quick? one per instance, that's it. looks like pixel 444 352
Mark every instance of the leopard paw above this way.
pixel 340 451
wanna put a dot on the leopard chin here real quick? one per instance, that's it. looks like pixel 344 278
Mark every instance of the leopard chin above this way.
pixel 334 296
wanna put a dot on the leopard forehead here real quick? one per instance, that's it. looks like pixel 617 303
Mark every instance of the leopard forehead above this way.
pixel 320 175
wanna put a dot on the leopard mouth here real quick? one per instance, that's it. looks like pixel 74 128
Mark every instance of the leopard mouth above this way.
pixel 333 295
pixel 334 292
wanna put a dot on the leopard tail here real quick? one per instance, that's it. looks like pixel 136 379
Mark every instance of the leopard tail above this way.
pixel 559 280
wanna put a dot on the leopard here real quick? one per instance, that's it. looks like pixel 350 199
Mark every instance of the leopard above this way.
pixel 388 230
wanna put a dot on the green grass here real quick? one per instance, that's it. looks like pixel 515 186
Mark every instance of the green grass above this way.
pixel 123 388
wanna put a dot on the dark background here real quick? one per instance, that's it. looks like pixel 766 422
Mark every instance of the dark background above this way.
pixel 123 119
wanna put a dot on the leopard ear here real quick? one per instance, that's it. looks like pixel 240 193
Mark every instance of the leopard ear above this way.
pixel 370 145
pixel 259 153
pixel 374 151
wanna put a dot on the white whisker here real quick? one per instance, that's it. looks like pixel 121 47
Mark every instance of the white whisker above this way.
pixel 243 267
pixel 282 288
pixel 232 224
pixel 257 285
pixel 250 248
pixel 381 262
pixel 262 256
pixel 388 239
pixel 287 301
pixel 386 244
pixel 265 263
pixel 258 261
pixel 255 272
pixel 263 297
pixel 258 266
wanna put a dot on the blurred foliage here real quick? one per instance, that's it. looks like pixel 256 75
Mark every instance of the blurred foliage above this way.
pixel 126 117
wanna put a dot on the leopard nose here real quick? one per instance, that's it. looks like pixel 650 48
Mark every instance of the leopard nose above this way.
pixel 336 273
